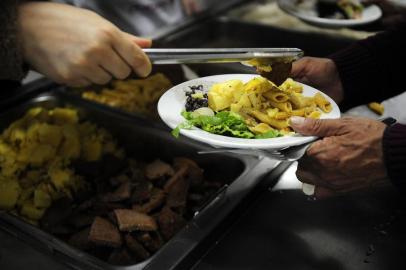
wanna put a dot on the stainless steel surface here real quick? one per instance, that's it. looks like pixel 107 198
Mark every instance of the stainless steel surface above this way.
pixel 143 141
pixel 283 229
pixel 221 55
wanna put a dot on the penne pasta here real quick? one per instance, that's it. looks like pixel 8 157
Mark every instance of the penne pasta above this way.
pixel 282 115
pixel 265 107
pixel 322 103
pixel 279 124
pixel 283 106
pixel 276 96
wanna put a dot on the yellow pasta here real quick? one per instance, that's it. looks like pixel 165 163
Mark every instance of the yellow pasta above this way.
pixel 283 106
pixel 376 107
pixel 291 86
pixel 260 128
pixel 276 96
pixel 298 112
pixel 322 103
pixel 279 124
pixel 281 115
pixel 264 106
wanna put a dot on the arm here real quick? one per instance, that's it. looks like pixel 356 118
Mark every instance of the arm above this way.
pixel 369 68
pixel 11 63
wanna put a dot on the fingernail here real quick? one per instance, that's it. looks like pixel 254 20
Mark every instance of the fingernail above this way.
pixel 296 120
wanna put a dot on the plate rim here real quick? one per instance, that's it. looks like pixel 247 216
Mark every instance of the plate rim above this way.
pixel 233 142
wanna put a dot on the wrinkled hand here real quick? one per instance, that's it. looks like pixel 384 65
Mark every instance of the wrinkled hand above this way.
pixel 348 156
pixel 77 47
pixel 320 73
pixel 191 7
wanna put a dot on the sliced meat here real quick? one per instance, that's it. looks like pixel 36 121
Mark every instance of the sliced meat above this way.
pixel 177 193
pixel 158 169
pixel 170 223
pixel 136 248
pixel 178 176
pixel 123 192
pixel 120 257
pixel 152 241
pixel 80 240
pixel 194 172
pixel 104 233
pixel 156 200
pixel 131 220
pixel 141 192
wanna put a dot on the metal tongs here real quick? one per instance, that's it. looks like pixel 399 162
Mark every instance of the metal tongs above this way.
pixel 223 55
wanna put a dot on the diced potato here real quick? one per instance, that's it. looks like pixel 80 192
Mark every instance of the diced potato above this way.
pixel 41 154
pixel 41 198
pixel 25 195
pixel 29 210
pixel 92 150
pixel 50 134
pixel 60 178
pixel 221 95
pixel 65 116
pixel 9 193
pixel 235 107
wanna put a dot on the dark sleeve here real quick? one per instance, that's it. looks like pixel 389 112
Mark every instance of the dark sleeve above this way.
pixel 11 60
pixel 394 150
pixel 373 69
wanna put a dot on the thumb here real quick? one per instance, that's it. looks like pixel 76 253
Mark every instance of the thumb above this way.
pixel 316 127
pixel 142 42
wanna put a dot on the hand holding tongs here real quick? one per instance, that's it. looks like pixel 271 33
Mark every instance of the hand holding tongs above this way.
pixel 223 55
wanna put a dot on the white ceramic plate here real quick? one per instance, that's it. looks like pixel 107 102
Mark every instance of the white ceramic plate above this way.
pixel 172 103
pixel 398 3
pixel 309 15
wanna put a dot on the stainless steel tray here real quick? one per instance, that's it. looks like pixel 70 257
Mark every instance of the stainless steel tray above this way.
pixel 144 141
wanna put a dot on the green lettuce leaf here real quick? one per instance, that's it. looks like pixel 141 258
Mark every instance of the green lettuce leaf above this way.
pixel 223 123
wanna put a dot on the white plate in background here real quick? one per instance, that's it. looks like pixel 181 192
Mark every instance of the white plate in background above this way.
pixel 370 14
pixel 172 103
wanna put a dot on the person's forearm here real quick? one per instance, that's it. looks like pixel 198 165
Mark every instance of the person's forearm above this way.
pixel 394 149
pixel 11 61
pixel 369 68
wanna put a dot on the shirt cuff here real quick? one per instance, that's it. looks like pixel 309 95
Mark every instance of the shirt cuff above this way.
pixel 394 151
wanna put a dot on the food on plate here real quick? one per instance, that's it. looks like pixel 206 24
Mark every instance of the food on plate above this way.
pixel 132 95
pixel 340 9
pixel 258 109
pixel 376 107
pixel 36 156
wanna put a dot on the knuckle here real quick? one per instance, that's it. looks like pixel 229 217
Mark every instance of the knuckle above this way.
pixel 96 49
pixel 80 63
pixel 106 33
pixel 66 77
pixel 314 125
